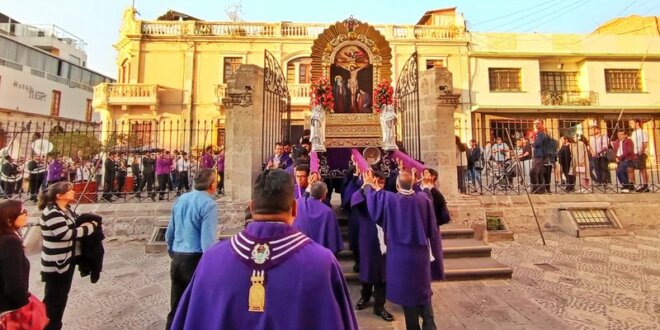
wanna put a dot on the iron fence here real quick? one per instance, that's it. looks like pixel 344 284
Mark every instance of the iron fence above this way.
pixel 108 161
pixel 581 156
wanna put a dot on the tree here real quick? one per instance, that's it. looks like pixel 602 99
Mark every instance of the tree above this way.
pixel 235 11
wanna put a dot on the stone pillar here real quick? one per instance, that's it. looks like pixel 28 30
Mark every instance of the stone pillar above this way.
pixel 437 105
pixel 243 132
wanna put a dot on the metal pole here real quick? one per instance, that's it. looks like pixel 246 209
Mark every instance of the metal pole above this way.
pixel 529 199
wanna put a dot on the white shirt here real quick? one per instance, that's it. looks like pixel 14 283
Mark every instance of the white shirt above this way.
pixel 182 165
pixel 638 137
pixel 598 144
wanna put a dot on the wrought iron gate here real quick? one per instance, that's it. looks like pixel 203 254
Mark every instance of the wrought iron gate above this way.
pixel 407 95
pixel 277 106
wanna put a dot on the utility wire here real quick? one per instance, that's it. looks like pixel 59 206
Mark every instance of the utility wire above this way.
pixel 554 15
pixel 514 13
pixel 531 16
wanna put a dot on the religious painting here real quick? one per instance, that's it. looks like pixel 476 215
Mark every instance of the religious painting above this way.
pixel 351 75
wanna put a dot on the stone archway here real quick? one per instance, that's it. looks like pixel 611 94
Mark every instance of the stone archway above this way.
pixel 351 32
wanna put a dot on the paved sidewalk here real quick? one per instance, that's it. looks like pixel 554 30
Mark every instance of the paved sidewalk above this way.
pixel 594 283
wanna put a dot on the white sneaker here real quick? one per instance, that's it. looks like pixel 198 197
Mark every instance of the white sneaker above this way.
pixel 625 191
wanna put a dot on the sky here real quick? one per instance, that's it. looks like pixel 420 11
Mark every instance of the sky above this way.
pixel 97 21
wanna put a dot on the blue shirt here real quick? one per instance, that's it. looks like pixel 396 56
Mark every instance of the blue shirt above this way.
pixel 193 224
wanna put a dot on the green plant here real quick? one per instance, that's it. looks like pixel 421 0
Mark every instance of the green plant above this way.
pixel 494 223
pixel 68 144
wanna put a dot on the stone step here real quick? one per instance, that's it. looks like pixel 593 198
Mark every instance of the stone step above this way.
pixel 347 270
pixel 602 232
pixel 456 232
pixel 464 248
pixel 464 269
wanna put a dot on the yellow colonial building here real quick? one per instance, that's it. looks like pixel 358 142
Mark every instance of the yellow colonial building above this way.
pixel 176 68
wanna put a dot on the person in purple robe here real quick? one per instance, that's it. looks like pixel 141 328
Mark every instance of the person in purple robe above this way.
pixel 317 220
pixel 352 183
pixel 301 175
pixel 372 259
pixel 412 243
pixel 279 159
pixel 268 276
pixel 163 170
pixel 207 158
pixel 221 170
pixel 55 169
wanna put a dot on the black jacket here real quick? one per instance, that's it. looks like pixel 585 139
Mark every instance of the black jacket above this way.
pixel 90 261
pixel 440 206
pixel 14 273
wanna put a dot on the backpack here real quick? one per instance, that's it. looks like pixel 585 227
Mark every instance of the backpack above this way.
pixel 550 146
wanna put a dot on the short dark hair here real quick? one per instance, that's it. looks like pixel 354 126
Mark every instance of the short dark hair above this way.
pixel 272 192
pixel 10 209
pixel 303 167
pixel 278 144
pixel 621 130
pixel 380 175
pixel 305 141
pixel 433 173
pixel 286 143
pixel 204 178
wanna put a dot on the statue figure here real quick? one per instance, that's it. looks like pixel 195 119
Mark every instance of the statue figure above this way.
pixel 317 131
pixel 388 126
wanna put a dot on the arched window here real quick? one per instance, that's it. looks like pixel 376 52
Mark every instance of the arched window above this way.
pixel 299 71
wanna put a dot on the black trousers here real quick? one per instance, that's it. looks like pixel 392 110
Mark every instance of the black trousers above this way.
pixel 148 179
pixel 221 181
pixel 537 175
pixel 36 180
pixel 164 182
pixel 183 181
pixel 56 295
pixel 137 183
pixel 414 313
pixel 9 187
pixel 181 271
pixel 378 291
pixel 121 180
pixel 108 187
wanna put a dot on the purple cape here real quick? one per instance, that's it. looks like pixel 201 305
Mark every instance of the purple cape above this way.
pixel 350 186
pixel 318 222
pixel 409 225
pixel 305 289
pixel 372 261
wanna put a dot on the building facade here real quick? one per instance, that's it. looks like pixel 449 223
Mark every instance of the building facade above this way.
pixel 572 81
pixel 43 79
pixel 176 68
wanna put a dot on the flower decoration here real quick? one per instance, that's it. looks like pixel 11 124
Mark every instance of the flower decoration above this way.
pixel 321 95
pixel 383 95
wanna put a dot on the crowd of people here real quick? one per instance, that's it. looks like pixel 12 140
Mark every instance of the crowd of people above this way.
pixel 535 161
pixel 157 173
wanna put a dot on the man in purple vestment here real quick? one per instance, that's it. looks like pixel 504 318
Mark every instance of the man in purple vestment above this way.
pixel 268 276
pixel 372 258
pixel 279 159
pixel 317 220
pixel 163 170
pixel 414 249
pixel 301 175
pixel 207 158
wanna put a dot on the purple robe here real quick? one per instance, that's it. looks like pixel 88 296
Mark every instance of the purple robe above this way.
pixel 207 160
pixel 305 289
pixel 55 170
pixel 299 192
pixel 409 225
pixel 351 185
pixel 318 222
pixel 372 261
pixel 163 166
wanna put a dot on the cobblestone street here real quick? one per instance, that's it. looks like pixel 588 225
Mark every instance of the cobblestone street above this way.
pixel 593 283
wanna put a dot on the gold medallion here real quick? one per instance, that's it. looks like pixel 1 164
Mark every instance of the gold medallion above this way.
pixel 257 295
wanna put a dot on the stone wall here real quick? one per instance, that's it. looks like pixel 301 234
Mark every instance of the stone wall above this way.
pixel 135 221
pixel 634 211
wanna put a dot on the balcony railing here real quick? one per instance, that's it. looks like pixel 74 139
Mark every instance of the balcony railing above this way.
pixel 290 30
pixel 299 94
pixel 125 94
pixel 584 98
